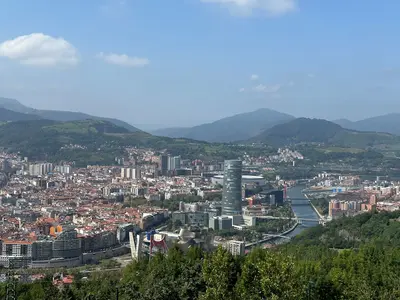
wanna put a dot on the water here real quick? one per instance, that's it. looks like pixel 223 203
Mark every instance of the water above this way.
pixel 302 211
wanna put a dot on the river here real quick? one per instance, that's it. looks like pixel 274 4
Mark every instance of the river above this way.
pixel 302 211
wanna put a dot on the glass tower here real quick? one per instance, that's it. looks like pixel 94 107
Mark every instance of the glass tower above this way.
pixel 232 192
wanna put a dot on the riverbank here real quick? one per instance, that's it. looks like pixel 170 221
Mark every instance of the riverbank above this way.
pixel 321 217
pixel 274 236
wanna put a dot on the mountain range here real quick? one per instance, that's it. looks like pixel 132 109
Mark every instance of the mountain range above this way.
pixel 259 125
pixel 245 126
pixel 239 127
pixel 389 123
pixel 13 110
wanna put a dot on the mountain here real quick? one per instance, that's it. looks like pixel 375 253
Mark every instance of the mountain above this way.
pixel 7 115
pixel 346 123
pixel 88 141
pixel 83 141
pixel 389 123
pixel 235 128
pixel 58 115
pixel 304 130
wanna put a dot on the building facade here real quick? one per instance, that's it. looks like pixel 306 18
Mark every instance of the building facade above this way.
pixel 232 191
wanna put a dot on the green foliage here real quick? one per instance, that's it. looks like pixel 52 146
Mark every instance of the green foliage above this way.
pixel 322 205
pixel 348 232
pixel 220 273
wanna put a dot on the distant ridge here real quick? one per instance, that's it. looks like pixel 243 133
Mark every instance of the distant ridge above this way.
pixel 386 123
pixel 235 128
pixel 56 115
pixel 304 130
pixel 7 115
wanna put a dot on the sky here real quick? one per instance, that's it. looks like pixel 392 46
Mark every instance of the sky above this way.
pixel 161 63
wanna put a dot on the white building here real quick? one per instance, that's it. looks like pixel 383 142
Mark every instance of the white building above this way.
pixel 40 169
pixel 235 247
pixel 131 173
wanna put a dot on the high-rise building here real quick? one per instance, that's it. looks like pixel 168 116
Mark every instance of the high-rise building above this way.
pixel 174 163
pixel 40 169
pixel 63 169
pixel 232 191
pixel 164 162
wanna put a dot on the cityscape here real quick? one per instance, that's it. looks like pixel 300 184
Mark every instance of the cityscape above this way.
pixel 59 216
pixel 199 150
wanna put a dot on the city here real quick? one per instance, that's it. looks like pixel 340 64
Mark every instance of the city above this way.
pixel 59 216
pixel 199 150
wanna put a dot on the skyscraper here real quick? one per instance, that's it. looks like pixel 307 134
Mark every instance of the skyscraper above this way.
pixel 164 164
pixel 232 192
pixel 174 162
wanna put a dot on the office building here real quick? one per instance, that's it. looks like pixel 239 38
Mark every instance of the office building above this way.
pixel 64 169
pixel 232 191
pixel 67 244
pixel 164 161
pixel 174 163
pixel 198 218
pixel 40 169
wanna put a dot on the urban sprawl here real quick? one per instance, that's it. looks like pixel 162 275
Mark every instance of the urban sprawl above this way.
pixel 56 215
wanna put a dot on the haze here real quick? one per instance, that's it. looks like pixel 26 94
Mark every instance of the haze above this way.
pixel 186 62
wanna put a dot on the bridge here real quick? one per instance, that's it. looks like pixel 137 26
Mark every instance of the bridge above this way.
pixel 287 218
pixel 269 237
pixel 298 201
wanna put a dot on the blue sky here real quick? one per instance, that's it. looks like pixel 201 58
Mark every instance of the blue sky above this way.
pixel 185 62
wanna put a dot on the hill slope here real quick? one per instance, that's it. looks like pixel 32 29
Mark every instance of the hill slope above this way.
pixel 235 128
pixel 7 115
pixel 85 142
pixel 304 130
pixel 389 123
pixel 57 115
pixel 94 142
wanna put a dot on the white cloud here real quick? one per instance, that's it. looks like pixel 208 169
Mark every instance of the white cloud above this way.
pixel 267 88
pixel 40 50
pixel 247 7
pixel 123 60
pixel 310 75
pixel 241 90
pixel 254 77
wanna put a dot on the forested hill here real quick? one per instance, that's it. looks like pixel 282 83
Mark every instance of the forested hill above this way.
pixel 85 141
pixel 352 232
pixel 99 142
pixel 304 130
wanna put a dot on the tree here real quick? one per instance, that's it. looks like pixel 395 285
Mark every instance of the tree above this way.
pixel 268 275
pixel 220 273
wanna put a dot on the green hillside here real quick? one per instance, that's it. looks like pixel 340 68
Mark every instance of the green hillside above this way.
pixel 98 142
pixel 304 130
pixel 86 141
pixel 56 115
pixel 7 115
